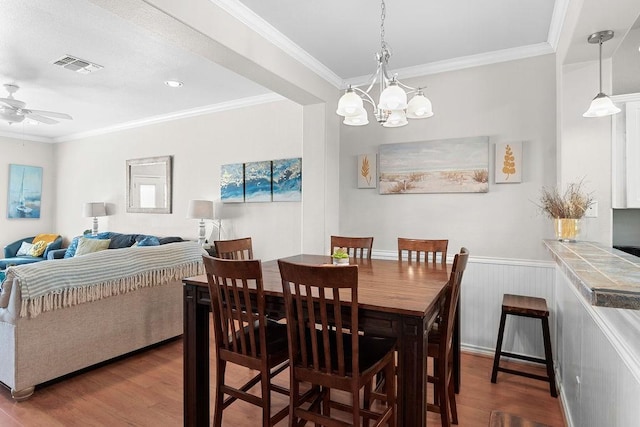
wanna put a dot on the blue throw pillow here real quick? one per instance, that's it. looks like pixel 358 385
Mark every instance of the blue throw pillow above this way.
pixel 171 239
pixel 71 249
pixel 148 241
pixel 121 240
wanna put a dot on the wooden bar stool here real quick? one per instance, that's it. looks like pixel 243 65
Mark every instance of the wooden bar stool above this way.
pixel 518 305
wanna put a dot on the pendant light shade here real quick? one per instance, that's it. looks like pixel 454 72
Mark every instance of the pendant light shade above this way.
pixel 419 107
pixel 350 104
pixel 359 120
pixel 396 119
pixel 601 105
pixel 393 98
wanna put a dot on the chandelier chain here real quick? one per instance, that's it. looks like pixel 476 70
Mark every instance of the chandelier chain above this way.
pixel 383 15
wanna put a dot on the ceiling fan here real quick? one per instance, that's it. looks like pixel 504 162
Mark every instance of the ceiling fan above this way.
pixel 14 111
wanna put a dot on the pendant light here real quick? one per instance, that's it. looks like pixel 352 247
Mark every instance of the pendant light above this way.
pixel 601 105
pixel 392 108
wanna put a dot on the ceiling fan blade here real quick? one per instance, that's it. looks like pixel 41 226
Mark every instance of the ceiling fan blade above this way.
pixel 14 103
pixel 41 119
pixel 51 114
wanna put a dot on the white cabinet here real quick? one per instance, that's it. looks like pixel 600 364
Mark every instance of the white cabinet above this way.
pixel 626 152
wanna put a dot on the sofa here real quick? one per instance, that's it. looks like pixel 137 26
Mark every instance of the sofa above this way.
pixel 116 241
pixel 60 316
pixel 11 251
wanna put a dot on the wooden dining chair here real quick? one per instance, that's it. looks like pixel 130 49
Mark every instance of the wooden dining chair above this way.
pixel 234 249
pixel 440 346
pixel 244 336
pixel 316 299
pixel 429 249
pixel 357 247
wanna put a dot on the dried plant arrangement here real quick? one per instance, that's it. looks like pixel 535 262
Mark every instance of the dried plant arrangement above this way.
pixel 573 203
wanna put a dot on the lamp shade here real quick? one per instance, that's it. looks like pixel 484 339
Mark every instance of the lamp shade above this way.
pixel 359 120
pixel 350 104
pixel 94 209
pixel 200 209
pixel 601 106
pixel 393 98
pixel 396 119
pixel 419 107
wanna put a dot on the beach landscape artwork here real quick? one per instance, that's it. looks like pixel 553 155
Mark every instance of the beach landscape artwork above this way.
pixel 458 165
pixel 232 183
pixel 287 180
pixel 257 181
pixel 25 191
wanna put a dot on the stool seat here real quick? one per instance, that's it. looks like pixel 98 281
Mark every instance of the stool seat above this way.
pixel 526 306
pixel 505 419
pixel 519 305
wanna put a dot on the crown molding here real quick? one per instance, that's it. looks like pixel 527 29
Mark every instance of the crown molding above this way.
pixel 26 137
pixel 215 108
pixel 463 62
pixel 249 18
pixel 557 21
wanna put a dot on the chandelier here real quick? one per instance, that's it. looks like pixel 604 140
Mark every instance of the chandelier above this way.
pixel 392 108
pixel 601 105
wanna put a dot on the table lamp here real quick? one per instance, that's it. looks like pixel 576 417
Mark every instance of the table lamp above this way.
pixel 95 209
pixel 200 209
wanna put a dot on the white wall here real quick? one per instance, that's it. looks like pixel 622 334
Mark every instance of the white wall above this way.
pixel 93 169
pixel 15 151
pixel 511 101
pixel 585 145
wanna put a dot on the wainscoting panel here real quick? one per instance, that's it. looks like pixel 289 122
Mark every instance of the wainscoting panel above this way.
pixel 483 285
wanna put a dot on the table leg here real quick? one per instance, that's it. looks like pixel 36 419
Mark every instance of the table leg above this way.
pixel 196 359
pixel 412 360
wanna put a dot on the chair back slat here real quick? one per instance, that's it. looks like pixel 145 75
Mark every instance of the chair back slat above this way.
pixel 453 293
pixel 238 317
pixel 357 247
pixel 238 249
pixel 316 311
pixel 431 250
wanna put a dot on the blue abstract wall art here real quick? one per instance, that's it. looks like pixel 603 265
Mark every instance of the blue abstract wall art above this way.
pixel 287 180
pixel 257 181
pixel 232 183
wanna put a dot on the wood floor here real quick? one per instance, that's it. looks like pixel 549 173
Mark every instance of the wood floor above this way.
pixel 146 390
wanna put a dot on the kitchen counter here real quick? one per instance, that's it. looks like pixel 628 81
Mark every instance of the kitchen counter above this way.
pixel 605 277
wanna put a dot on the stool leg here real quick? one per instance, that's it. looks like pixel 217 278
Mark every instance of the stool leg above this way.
pixel 496 358
pixel 548 356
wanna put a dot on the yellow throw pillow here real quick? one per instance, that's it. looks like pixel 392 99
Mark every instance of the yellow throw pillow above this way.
pixel 87 246
pixel 38 248
pixel 47 238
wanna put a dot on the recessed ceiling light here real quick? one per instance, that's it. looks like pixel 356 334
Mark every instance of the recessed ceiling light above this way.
pixel 173 83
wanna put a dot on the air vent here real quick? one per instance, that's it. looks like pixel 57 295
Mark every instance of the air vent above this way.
pixel 78 65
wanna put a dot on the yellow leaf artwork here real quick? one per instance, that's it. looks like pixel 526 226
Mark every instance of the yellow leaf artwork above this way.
pixel 508 162
pixel 509 166
pixel 366 171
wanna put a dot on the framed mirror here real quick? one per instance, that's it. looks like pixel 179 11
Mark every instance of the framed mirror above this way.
pixel 149 185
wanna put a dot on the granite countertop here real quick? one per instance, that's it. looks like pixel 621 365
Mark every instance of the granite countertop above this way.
pixel 606 277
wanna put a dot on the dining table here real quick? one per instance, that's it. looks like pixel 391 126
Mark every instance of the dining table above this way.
pixel 396 298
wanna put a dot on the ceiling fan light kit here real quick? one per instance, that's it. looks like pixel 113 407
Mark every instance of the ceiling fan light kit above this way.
pixel 13 110
pixel 392 108
pixel 601 105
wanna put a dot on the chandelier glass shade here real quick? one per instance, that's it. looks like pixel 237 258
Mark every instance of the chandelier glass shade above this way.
pixel 392 108
pixel 601 105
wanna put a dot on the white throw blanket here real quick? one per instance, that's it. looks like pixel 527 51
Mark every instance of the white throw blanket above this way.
pixel 50 285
